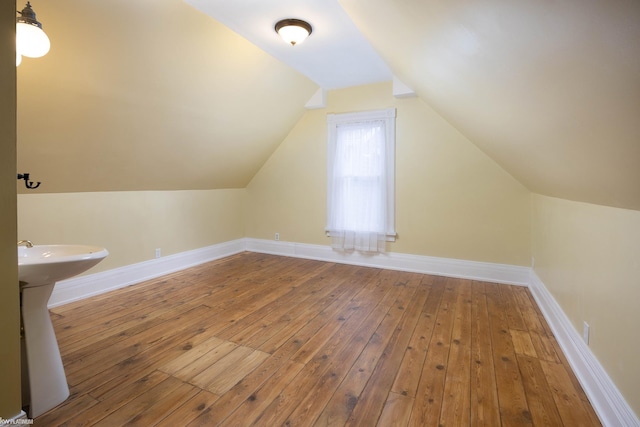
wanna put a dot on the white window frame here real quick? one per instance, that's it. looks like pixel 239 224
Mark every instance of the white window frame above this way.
pixel 389 117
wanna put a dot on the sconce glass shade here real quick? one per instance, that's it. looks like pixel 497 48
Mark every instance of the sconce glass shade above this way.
pixel 18 59
pixel 31 40
pixel 293 31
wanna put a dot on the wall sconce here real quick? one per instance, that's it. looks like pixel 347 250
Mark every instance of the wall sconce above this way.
pixel 31 40
pixel 293 31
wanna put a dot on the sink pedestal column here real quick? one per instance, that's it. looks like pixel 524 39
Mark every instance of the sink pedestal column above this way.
pixel 47 381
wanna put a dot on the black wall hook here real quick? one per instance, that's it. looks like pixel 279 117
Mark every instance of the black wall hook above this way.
pixel 29 184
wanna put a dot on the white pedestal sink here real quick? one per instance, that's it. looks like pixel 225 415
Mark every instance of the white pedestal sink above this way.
pixel 39 268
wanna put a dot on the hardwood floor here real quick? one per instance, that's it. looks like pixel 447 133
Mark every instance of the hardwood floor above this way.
pixel 256 339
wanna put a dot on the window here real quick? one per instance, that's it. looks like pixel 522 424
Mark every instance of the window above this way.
pixel 361 180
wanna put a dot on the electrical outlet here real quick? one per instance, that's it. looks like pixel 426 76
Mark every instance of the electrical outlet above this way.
pixel 585 332
pixel 277 236
pixel 158 252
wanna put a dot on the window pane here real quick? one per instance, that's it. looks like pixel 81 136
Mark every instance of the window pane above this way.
pixel 360 186
pixel 360 149
pixel 359 177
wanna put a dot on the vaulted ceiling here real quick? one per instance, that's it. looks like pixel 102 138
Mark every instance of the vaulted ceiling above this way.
pixel 550 90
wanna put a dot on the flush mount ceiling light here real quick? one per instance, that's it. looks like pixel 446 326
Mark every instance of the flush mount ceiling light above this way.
pixel 293 31
pixel 31 40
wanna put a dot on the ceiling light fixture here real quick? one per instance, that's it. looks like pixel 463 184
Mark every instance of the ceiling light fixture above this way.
pixel 31 40
pixel 293 31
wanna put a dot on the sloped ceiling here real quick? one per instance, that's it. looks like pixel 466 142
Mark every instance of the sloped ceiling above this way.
pixel 157 95
pixel 149 95
pixel 336 55
pixel 548 89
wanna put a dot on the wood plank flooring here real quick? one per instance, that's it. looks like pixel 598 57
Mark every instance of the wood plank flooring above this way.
pixel 262 340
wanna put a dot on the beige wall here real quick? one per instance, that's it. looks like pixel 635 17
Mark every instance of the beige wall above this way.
pixel 9 291
pixel 451 199
pixel 588 258
pixel 149 95
pixel 131 225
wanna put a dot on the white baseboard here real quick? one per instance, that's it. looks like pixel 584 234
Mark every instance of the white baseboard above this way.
pixel 77 288
pixel 605 397
pixel 497 273
pixel 81 287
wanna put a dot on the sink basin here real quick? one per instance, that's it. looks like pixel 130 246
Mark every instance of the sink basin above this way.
pixel 45 264
pixel 44 383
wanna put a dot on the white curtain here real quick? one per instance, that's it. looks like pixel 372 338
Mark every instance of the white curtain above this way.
pixel 357 214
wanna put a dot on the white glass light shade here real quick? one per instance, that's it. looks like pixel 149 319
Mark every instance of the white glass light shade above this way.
pixel 31 41
pixel 293 34
pixel 18 59
pixel 293 31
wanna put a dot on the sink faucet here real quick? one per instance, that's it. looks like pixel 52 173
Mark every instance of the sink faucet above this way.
pixel 27 243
